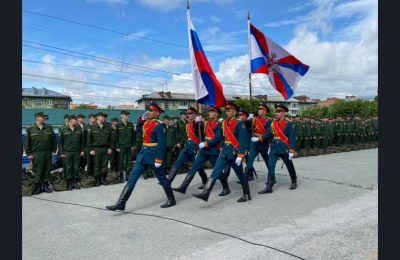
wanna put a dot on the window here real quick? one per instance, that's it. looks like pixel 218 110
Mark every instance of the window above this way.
pixel 295 105
pixel 183 103
pixel 166 105
pixel 50 101
pixel 38 103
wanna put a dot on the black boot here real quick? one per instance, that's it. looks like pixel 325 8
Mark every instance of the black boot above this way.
pixel 98 183
pixel 203 177
pixel 120 204
pixel 121 177
pixel 46 187
pixel 293 177
pixel 38 189
pixel 268 188
pixel 225 187
pixel 103 180
pixel 76 184
pixel 293 186
pixel 127 175
pixel 172 174
pixel 246 193
pixel 207 190
pixel 250 175
pixel 69 184
pixel 171 198
pixel 185 184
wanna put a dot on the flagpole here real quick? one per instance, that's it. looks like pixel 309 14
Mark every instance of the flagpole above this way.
pixel 248 27
pixel 197 103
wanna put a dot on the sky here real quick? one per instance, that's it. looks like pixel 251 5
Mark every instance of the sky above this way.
pixel 112 52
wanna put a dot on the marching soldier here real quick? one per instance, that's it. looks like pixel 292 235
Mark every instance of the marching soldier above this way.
pixel 172 139
pixel 208 150
pixel 151 155
pixel 71 147
pixel 124 142
pixel 40 146
pixel 89 157
pixel 234 146
pixel 259 126
pixel 189 151
pixel 100 145
pixel 283 146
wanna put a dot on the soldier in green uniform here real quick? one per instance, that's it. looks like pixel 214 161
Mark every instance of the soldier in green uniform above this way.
pixel 151 155
pixel 100 144
pixel 375 128
pixel 40 146
pixel 124 141
pixel 331 133
pixel 347 129
pixel 299 130
pixel 113 158
pixel 181 131
pixel 89 157
pixel 171 141
pixel 317 135
pixel 82 125
pixel 325 134
pixel 363 132
pixel 307 134
pixel 71 147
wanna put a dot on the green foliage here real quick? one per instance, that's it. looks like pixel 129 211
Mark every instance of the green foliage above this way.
pixel 83 106
pixel 360 108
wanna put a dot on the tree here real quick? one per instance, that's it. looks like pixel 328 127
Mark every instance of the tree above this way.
pixel 83 106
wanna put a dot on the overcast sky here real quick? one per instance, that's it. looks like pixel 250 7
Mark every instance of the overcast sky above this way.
pixel 144 48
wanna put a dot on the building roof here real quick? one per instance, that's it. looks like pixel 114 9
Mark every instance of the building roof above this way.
pixel 42 92
pixel 191 96
pixel 56 116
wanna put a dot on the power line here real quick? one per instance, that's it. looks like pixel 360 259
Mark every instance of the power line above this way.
pixel 118 62
pixel 117 32
pixel 165 42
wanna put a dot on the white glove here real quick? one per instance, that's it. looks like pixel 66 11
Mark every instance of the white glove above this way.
pixel 251 116
pixel 255 139
pixel 290 155
pixel 221 119
pixel 198 119
pixel 238 161
pixel 157 165
pixel 202 145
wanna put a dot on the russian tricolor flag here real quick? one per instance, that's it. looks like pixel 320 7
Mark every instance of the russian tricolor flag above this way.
pixel 283 69
pixel 208 90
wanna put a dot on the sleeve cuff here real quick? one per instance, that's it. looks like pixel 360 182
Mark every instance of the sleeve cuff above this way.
pixel 240 155
pixel 158 161
pixel 206 144
pixel 291 150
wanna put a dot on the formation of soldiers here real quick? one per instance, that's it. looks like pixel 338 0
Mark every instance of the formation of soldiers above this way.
pixel 162 148
pixel 318 136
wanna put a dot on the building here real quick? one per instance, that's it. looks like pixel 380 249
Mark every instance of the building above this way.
pixel 328 102
pixel 180 101
pixel 350 98
pixel 44 99
pixel 88 106
pixel 125 106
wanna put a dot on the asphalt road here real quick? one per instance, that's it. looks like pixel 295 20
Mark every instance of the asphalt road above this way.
pixel 332 215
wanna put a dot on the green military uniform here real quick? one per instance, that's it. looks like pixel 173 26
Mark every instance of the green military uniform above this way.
pixel 40 143
pixel 338 132
pixel 181 132
pixel 307 135
pixel 363 132
pixel 125 140
pixel 171 141
pixel 71 145
pixel 375 129
pixel 317 135
pixel 347 129
pixel 331 133
pixel 325 135
pixel 299 130
pixel 83 128
pixel 114 160
pixel 89 157
pixel 100 140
